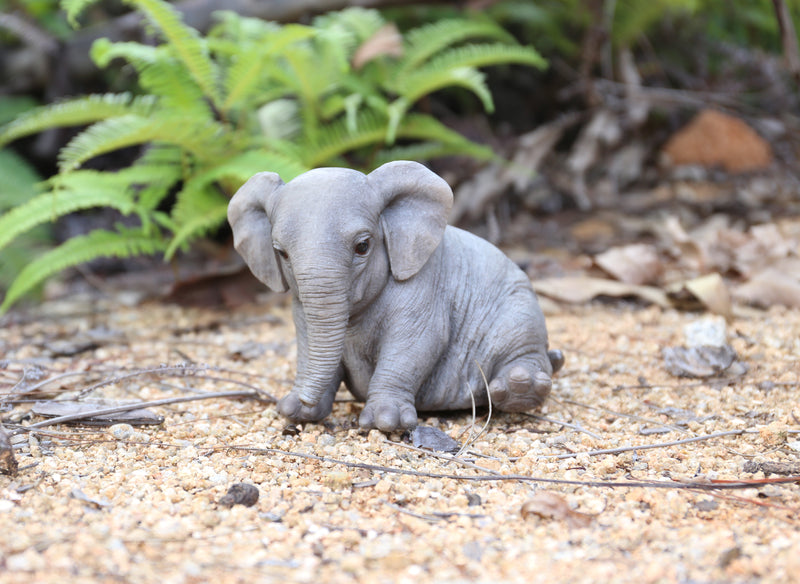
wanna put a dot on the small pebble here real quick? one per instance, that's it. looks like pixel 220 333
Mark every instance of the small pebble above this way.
pixel 121 431
pixel 240 494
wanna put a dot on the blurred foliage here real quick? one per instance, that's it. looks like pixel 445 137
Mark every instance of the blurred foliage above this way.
pixel 213 110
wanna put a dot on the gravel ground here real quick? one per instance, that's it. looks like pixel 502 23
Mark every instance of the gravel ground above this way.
pixel 338 504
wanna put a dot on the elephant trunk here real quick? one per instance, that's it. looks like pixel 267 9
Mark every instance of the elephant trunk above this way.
pixel 326 310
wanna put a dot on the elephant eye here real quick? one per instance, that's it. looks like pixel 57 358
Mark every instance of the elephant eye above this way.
pixel 362 247
pixel 281 252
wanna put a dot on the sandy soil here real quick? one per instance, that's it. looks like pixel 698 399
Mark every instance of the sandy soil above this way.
pixel 338 504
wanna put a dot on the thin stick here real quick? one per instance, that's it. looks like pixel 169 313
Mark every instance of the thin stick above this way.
pixel 704 486
pixel 137 406
pixel 647 446
pixel 621 415
pixel 470 440
pixel 575 427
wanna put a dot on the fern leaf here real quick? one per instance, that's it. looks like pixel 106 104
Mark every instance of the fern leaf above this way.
pixel 74 8
pixel 19 180
pixel 424 127
pixel 85 191
pixel 75 112
pixel 425 41
pixel 185 41
pixel 420 151
pixel 130 130
pixel 203 211
pixel 104 51
pixel 429 81
pixel 248 69
pixel 77 250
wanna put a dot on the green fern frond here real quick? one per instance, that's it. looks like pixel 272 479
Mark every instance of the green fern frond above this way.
pixel 428 81
pixel 78 250
pixel 476 55
pixel 131 130
pixel 104 51
pixel 425 41
pixel 19 180
pixel 75 112
pixel 189 47
pixel 358 23
pixel 92 189
pixel 161 166
pixel 248 69
pixel 427 128
pixel 202 212
pixel 74 8
pixel 419 151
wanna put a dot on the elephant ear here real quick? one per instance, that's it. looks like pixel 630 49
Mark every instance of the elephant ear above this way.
pixel 416 203
pixel 252 228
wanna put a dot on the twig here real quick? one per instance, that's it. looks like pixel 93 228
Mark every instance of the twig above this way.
pixel 472 439
pixel 791 53
pixel 698 485
pixel 622 415
pixel 575 427
pixel 647 446
pixel 431 518
pixel 137 406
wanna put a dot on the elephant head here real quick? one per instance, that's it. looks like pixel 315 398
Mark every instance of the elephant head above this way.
pixel 334 237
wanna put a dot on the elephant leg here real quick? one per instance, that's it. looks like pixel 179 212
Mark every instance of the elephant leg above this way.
pixel 520 385
pixel 291 406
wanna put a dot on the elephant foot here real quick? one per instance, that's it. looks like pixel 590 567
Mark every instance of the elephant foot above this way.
pixel 519 388
pixel 388 415
pixel 291 407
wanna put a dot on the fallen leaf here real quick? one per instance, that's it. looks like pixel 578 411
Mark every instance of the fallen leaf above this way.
pixel 434 439
pixel 716 139
pixel 706 361
pixel 551 505
pixel 582 289
pixel 97 503
pixel 713 293
pixel 387 40
pixel 775 285
pixel 141 417
pixel 638 263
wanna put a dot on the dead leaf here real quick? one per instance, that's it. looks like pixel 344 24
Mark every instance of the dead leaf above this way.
pixel 97 503
pixel 705 361
pixel 549 505
pixel 387 40
pixel 141 417
pixel 434 439
pixel 582 289
pixel 770 287
pixel 633 264
pixel 8 463
pixel 712 292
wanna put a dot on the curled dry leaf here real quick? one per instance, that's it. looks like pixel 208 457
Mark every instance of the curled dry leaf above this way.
pixel 636 264
pixel 716 139
pixel 582 289
pixel 387 40
pixel 434 439
pixel 551 505
pixel 706 361
pixel 779 284
pixel 709 291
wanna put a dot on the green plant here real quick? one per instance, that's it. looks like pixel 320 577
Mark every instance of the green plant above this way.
pixel 249 96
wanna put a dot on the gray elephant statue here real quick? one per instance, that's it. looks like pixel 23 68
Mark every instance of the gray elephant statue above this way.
pixel 408 312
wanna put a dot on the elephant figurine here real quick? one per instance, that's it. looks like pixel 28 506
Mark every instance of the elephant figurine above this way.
pixel 410 313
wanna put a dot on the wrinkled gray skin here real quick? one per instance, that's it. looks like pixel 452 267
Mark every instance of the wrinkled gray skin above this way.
pixel 390 300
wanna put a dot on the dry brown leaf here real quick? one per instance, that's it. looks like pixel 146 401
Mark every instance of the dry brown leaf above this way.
pixel 551 505
pixel 698 362
pixel 633 264
pixel 712 292
pixel 387 40
pixel 775 285
pixel 716 139
pixel 582 289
